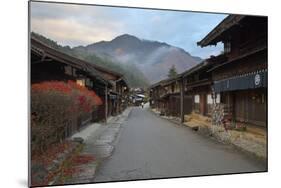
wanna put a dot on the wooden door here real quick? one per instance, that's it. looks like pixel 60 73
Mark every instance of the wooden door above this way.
pixel 251 107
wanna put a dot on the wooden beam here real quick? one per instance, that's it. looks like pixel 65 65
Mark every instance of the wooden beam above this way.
pixel 41 61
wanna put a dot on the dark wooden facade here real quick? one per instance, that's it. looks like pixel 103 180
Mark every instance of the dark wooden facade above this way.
pixel 197 84
pixel 189 92
pixel 241 79
pixel 49 64
pixel 118 93
pixel 237 78
pixel 167 97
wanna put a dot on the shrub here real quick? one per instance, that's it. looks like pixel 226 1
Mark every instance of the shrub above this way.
pixel 56 106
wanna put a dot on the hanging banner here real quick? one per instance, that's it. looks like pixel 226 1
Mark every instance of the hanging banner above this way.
pixel 247 81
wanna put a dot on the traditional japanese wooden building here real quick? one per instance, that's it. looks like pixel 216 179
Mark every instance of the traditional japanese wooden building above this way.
pixel 154 96
pixel 197 84
pixel 167 96
pixel 117 94
pixel 236 78
pixel 189 92
pixel 240 72
pixel 163 92
pixel 50 64
pixel 171 96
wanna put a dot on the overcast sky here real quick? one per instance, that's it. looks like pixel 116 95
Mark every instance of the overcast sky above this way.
pixel 75 25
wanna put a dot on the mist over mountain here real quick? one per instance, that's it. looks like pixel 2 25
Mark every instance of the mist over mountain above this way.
pixel 152 58
pixel 142 62
pixel 132 74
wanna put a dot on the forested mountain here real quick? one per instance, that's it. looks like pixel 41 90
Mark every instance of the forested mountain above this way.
pixel 142 62
pixel 153 58
pixel 132 74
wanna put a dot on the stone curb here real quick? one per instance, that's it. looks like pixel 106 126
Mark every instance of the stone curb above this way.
pixel 210 135
pixel 103 142
pixel 60 161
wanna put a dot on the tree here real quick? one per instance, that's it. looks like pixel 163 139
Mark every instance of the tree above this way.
pixel 172 72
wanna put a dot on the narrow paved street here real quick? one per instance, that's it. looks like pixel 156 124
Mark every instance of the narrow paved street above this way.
pixel 151 147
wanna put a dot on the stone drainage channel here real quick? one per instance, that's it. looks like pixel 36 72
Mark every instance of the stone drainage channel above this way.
pixel 99 140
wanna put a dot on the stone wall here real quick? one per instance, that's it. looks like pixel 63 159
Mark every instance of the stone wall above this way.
pixel 244 140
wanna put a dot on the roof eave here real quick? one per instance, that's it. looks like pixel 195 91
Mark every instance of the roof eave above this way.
pixel 212 38
pixel 67 59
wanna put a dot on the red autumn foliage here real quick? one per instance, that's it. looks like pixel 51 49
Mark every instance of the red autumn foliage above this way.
pixel 74 164
pixel 68 169
pixel 69 88
pixel 86 93
pixel 68 172
pixel 52 86
pixel 46 160
pixel 82 159
pixel 57 107
pixel 51 153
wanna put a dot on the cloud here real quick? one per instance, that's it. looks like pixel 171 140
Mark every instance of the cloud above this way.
pixel 69 32
pixel 81 25
pixel 73 25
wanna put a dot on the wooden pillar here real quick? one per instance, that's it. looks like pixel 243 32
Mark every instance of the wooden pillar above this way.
pixel 106 103
pixel 203 104
pixel 182 100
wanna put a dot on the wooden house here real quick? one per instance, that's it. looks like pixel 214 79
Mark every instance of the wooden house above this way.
pixel 48 64
pixel 117 97
pixel 167 97
pixel 154 96
pixel 189 92
pixel 240 74
pixel 198 84
pixel 235 79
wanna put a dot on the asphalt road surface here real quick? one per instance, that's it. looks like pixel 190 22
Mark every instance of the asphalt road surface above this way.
pixel 152 147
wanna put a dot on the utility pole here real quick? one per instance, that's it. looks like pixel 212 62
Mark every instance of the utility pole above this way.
pixel 182 99
pixel 106 103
